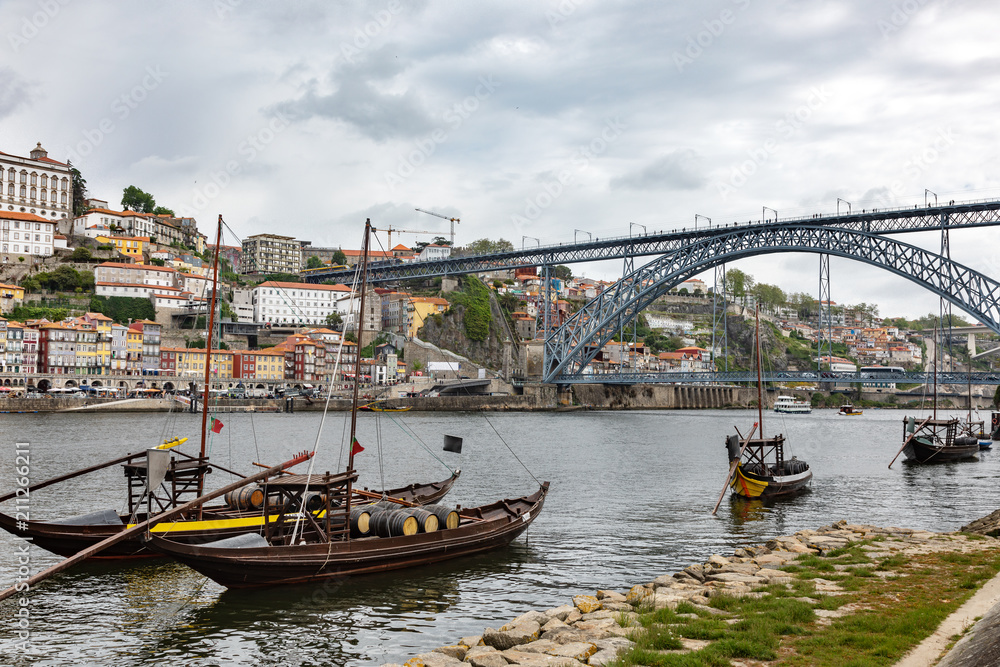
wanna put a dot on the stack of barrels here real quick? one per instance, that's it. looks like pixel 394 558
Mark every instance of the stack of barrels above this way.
pixel 250 497
pixel 389 519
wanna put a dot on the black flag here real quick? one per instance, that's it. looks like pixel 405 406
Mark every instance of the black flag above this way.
pixel 452 444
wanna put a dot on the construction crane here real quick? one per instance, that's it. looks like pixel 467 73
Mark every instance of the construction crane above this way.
pixel 389 231
pixel 443 217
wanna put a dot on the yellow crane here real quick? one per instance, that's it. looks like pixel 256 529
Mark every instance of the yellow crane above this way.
pixel 443 217
pixel 390 230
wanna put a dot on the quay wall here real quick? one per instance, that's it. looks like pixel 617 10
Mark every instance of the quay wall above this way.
pixel 662 397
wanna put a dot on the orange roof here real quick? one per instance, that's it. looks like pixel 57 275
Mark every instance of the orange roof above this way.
pixel 436 300
pixel 372 253
pixel 98 316
pixel 398 247
pixel 16 215
pixel 9 286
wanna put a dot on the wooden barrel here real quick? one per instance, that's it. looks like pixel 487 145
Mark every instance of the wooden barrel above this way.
pixel 426 521
pixel 394 524
pixel 315 502
pixel 360 522
pixel 249 497
pixel 447 517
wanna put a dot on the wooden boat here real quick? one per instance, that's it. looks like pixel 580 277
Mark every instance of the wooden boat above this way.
pixel 74 534
pixel 849 410
pixel 936 441
pixel 383 407
pixel 298 546
pixel 758 468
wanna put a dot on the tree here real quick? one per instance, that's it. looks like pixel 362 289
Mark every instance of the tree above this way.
pixel 334 320
pixel 79 190
pixel 562 272
pixel 81 255
pixel 338 258
pixel 163 210
pixel 488 247
pixel 134 199
pixel 739 284
pixel 314 262
pixel 155 261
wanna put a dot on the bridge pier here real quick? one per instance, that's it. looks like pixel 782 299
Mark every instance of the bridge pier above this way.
pixel 656 396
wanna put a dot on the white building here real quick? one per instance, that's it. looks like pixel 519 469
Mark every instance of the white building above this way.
pixel 37 185
pixel 433 252
pixel 243 304
pixel 136 274
pixel 277 302
pixel 271 253
pixel 25 234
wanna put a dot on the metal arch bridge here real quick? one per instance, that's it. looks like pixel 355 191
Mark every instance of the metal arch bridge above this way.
pixel 569 349
pixel 877 222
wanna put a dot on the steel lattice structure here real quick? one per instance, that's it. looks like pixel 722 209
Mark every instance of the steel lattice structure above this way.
pixel 839 377
pixel 881 222
pixel 569 349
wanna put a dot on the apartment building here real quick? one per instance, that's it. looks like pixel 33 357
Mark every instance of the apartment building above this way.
pixel 25 234
pixel 271 253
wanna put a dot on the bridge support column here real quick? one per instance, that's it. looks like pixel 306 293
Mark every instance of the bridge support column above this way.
pixel 971 344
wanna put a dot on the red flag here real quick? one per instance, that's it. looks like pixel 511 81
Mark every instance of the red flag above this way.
pixel 356 447
pixel 216 425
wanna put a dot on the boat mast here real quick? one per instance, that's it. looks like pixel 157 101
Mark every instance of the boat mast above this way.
pixel 935 371
pixel 760 383
pixel 208 348
pixel 357 363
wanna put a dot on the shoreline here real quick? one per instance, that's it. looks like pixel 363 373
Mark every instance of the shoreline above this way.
pixel 697 613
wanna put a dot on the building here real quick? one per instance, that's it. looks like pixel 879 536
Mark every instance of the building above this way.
pixel 421 308
pixel 271 253
pixel 130 246
pixel 276 302
pixel 36 185
pixel 11 359
pixel 102 325
pixel 11 296
pixel 25 234
pixel 119 350
pixel 57 348
pixel 433 252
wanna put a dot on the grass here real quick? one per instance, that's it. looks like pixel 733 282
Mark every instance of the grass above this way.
pixel 782 629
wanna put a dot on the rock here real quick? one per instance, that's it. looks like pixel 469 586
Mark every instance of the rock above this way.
pixel 586 603
pixel 603 613
pixel 553 624
pixel 454 651
pixel 773 560
pixel 736 577
pixel 539 646
pixel 573 616
pixel 740 568
pixel 575 650
pixel 470 641
pixel 617 606
pixel 611 596
pixel 560 612
pixel 513 636
pixel 535 616
pixel 526 659
pixel 716 561
pixel 565 635
pixel 596 629
pixel 775 576
pixel 637 594
pixel 485 656
pixel 432 660
pixel 697 571
pixel 665 600
pixel 609 650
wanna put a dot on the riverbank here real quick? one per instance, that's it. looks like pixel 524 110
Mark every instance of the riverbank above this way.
pixel 841 593
pixel 533 397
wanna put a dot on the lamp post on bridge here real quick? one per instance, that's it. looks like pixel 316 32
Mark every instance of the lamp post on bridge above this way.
pixel 846 202
pixel 636 224
pixel 539 243
pixel 698 215
pixel 763 214
pixel 575 231
pixel 926 192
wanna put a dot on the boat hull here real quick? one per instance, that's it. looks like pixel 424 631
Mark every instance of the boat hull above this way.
pixel 920 450
pixel 750 485
pixel 67 540
pixel 253 567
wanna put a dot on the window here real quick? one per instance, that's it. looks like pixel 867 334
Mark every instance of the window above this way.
pixel 34 178
pixel 24 191
pixel 24 177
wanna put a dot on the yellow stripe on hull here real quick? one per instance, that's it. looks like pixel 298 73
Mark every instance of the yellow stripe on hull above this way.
pixel 745 486
pixel 212 524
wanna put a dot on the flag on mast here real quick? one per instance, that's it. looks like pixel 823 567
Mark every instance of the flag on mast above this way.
pixel 356 447
pixel 216 425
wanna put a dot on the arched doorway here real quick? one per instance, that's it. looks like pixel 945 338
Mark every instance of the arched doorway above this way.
pixel 44 385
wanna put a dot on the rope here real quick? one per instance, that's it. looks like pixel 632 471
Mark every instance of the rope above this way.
pixel 413 436
pixel 509 448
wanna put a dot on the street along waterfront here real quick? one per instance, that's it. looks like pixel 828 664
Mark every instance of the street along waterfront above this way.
pixel 630 500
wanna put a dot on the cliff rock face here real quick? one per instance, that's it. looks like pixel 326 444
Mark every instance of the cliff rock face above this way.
pixel 448 332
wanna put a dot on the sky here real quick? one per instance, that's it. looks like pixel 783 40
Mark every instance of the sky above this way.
pixel 536 122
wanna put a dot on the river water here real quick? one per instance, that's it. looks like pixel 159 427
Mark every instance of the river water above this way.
pixel 630 500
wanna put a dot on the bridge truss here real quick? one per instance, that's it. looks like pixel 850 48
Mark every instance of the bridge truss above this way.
pixel 573 346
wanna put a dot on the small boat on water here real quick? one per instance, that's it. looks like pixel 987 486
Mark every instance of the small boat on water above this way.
pixel 381 406
pixel 849 410
pixel 792 406
pixel 758 469
pixel 936 441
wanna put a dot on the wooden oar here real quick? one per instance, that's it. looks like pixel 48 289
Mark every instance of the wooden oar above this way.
pixel 907 441
pixel 140 527
pixel 732 468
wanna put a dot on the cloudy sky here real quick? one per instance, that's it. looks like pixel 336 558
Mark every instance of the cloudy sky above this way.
pixel 546 120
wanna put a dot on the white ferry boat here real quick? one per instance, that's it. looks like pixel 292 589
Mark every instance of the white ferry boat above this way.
pixel 791 405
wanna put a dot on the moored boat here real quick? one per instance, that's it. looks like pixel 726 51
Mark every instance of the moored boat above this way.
pixel 849 410
pixel 937 441
pixel 791 405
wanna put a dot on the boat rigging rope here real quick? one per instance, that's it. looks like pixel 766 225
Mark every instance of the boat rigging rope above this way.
pixel 322 421
pixel 483 413
pixel 378 447
pixel 413 436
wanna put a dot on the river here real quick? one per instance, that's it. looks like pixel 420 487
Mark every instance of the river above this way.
pixel 630 499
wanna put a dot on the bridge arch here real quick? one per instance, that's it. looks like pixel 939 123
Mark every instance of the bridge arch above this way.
pixel 572 346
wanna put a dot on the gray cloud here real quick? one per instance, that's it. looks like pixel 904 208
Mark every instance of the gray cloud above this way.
pixel 15 92
pixel 677 170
